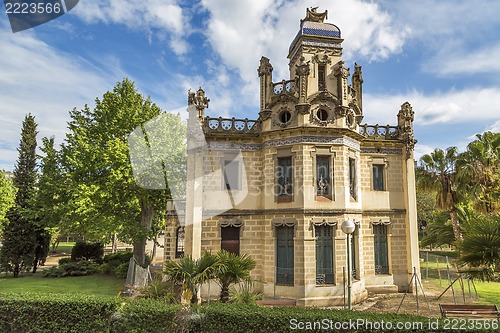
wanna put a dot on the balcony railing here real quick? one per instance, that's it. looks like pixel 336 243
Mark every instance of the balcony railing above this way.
pixel 284 87
pixel 378 132
pixel 231 125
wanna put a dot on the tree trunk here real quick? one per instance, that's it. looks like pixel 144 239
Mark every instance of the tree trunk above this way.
pixel 457 233
pixel 224 294
pixel 147 213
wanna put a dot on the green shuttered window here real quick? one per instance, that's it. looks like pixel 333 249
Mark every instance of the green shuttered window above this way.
pixel 324 254
pixel 380 247
pixel 284 255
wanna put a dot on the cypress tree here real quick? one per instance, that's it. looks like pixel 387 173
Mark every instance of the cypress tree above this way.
pixel 19 237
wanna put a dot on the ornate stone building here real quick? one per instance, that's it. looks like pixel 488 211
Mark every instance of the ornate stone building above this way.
pixel 279 187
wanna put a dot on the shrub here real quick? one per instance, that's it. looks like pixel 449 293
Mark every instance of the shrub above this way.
pixel 87 251
pixel 161 289
pixel 33 312
pixel 122 257
pixel 63 261
pixel 77 268
pixel 121 271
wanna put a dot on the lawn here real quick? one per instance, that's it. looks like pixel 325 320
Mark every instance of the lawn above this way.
pixel 63 247
pixel 489 291
pixel 89 285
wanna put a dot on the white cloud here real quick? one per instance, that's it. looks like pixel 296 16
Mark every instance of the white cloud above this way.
pixel 452 61
pixel 242 31
pixel 469 105
pixel 143 15
pixel 39 80
pixel 494 127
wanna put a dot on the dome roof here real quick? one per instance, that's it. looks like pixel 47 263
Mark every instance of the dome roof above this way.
pixel 316 29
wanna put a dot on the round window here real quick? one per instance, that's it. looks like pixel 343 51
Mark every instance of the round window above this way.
pixel 285 116
pixel 322 114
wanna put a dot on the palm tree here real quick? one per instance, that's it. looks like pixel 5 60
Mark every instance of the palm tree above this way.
pixel 236 269
pixel 191 274
pixel 439 176
pixel 479 168
pixel 480 248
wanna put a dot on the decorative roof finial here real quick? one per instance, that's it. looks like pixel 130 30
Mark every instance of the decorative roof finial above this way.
pixel 313 16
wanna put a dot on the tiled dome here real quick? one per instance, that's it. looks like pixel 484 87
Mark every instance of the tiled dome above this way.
pixel 316 29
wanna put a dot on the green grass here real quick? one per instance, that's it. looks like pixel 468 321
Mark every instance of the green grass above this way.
pixel 489 291
pixel 450 254
pixel 88 285
pixel 64 247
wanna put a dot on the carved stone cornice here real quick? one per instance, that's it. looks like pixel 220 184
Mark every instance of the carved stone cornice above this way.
pixel 324 97
pixel 282 99
pixel 323 59
pixel 265 114
pixel 303 108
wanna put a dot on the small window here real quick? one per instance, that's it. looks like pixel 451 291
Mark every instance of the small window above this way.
pixel 322 114
pixel 284 177
pixel 324 254
pixel 284 255
pixel 179 242
pixel 323 182
pixel 354 259
pixel 378 177
pixel 321 78
pixel 285 117
pixel 230 239
pixel 380 248
pixel 231 172
pixel 352 178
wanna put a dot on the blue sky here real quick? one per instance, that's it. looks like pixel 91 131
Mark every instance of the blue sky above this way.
pixel 441 56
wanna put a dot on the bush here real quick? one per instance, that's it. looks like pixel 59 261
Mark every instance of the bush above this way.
pixel 63 261
pixel 121 271
pixel 87 251
pixel 122 257
pixel 30 312
pixel 76 268
pixel 116 264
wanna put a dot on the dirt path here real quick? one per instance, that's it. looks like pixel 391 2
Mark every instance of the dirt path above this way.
pixel 428 306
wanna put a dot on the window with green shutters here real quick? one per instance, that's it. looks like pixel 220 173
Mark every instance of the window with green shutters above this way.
pixel 380 248
pixel 284 255
pixel 324 254
pixel 323 182
pixel 284 177
pixel 378 177
pixel 352 178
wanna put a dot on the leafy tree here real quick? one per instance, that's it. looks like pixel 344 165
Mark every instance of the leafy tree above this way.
pixel 7 196
pixel 440 177
pixel 438 231
pixel 479 171
pixel 103 197
pixel 480 248
pixel 235 269
pixel 19 237
pixel 46 209
pixel 191 274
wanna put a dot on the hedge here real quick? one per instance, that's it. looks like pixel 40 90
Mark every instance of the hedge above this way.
pixel 29 312
pixel 234 318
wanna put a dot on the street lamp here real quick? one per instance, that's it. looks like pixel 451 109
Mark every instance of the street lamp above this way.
pixel 348 228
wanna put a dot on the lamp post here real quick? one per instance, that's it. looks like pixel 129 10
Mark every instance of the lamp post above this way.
pixel 348 228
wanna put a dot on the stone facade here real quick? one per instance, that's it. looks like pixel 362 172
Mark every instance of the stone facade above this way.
pixel 286 181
